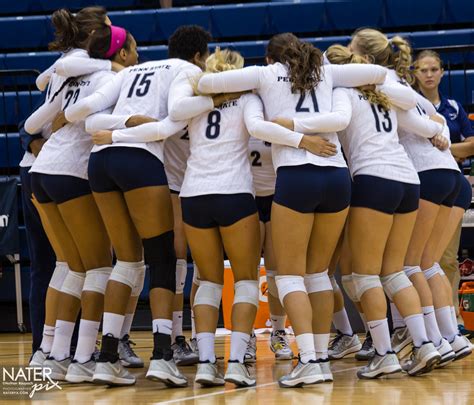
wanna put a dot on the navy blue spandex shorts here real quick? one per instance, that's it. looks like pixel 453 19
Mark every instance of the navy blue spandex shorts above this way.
pixel 58 188
pixel 440 186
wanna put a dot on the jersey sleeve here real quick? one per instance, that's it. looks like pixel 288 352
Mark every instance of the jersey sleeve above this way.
pixel 105 97
pixel 356 74
pixel 425 104
pixel 231 81
pixel 43 79
pixel 43 115
pixel 182 103
pixel 400 96
pixel 465 123
pixel 150 132
pixel 420 125
pixel 337 120
pixel 73 66
pixel 265 130
pixel 105 120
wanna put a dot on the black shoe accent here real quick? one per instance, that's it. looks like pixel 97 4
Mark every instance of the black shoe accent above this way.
pixel 162 347
pixel 109 349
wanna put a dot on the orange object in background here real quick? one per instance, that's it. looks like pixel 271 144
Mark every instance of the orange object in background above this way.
pixel 262 319
pixel 466 305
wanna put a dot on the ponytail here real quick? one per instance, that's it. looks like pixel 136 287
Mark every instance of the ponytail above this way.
pixel 401 58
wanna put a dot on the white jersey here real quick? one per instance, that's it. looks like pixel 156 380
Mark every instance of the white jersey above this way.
pixel 176 153
pixel 219 163
pixel 67 151
pixel 264 177
pixel 273 85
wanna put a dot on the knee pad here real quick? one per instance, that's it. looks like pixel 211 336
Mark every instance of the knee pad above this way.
pixel 140 281
pixel 59 275
pixel 160 257
pixel 289 284
pixel 195 274
pixel 127 273
pixel 272 287
pixel 208 293
pixel 364 282
pixel 181 271
pixel 411 270
pixel 440 270
pixel 246 292
pixel 334 284
pixel 317 282
pixel 349 288
pixel 394 283
pixel 73 284
pixel 431 272
pixel 96 280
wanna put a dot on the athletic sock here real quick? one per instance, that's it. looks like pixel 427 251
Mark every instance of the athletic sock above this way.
pixel 278 322
pixel 431 325
pixel 341 322
pixel 88 331
pixel 162 339
pixel 112 324
pixel 380 336
pixel 416 327
pixel 321 343
pixel 397 319
pixel 177 329
pixel 305 343
pixel 205 341
pixel 238 345
pixel 454 317
pixel 127 325
pixel 48 338
pixel 62 340
pixel 193 326
pixel 445 323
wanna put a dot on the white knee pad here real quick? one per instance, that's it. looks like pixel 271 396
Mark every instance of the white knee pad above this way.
pixel 59 275
pixel 208 293
pixel 195 274
pixel 411 270
pixel 364 282
pixel 317 282
pixel 272 287
pixel 334 284
pixel 349 288
pixel 96 280
pixel 440 270
pixel 431 272
pixel 246 292
pixel 140 281
pixel 126 273
pixel 289 284
pixel 181 271
pixel 73 283
pixel 394 283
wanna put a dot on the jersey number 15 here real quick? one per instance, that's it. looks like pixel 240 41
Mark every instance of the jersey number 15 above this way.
pixel 143 87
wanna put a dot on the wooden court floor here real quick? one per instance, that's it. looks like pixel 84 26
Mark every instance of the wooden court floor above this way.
pixel 451 385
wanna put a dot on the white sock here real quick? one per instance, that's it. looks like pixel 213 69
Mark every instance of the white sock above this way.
pixel 445 323
pixel 205 341
pixel 454 317
pixel 88 331
pixel 305 343
pixel 127 325
pixel 193 326
pixel 364 321
pixel 431 325
pixel 397 319
pixel 341 322
pixel 238 345
pixel 321 343
pixel 112 324
pixel 62 340
pixel 162 326
pixel 380 335
pixel 177 329
pixel 278 322
pixel 48 337
pixel 416 327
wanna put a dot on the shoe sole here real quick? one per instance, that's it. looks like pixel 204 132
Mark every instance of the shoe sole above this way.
pixel 252 360
pixel 126 364
pixel 106 379
pixel 402 345
pixel 76 379
pixel 464 352
pixel 349 350
pixel 284 357
pixel 237 380
pixel 300 382
pixel 381 373
pixel 447 360
pixel 427 365
pixel 208 381
pixel 167 379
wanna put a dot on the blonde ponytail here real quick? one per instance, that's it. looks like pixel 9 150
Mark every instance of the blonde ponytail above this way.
pixel 401 58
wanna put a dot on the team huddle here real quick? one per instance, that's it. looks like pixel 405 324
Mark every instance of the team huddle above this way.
pixel 315 160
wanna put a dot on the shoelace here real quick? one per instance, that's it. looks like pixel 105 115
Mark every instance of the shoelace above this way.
pixel 128 347
pixel 183 347
pixel 336 341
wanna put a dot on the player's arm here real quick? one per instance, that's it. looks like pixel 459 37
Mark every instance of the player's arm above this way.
pixel 420 125
pixel 354 75
pixel 43 115
pixel 231 81
pixel 400 96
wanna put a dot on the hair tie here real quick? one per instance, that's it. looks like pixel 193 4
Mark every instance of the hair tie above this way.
pixel 118 36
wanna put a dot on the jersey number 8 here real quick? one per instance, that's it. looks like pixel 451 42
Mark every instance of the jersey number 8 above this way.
pixel 213 125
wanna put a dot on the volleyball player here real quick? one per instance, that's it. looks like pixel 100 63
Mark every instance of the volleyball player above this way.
pixel 440 184
pixel 312 193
